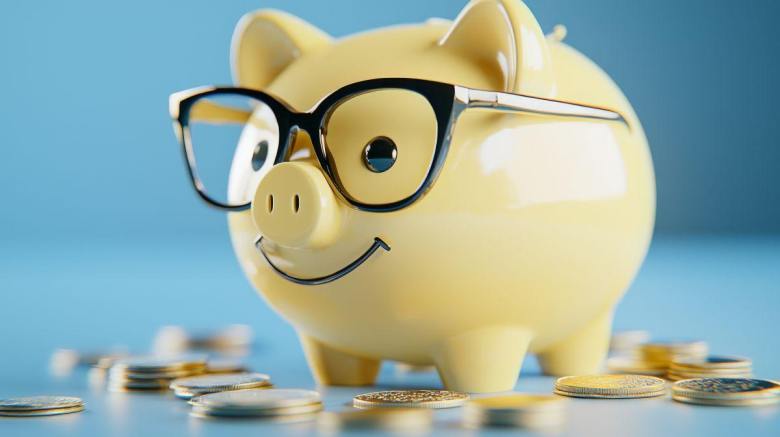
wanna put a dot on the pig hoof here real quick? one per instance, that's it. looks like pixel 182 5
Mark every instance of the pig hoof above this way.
pixel 484 360
pixel 581 353
pixel 334 367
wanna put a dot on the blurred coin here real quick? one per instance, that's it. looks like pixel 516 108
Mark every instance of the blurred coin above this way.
pixel 727 390
pixel 634 366
pixel 256 401
pixel 722 363
pixel 626 341
pixel 36 403
pixel 377 418
pixel 186 388
pixel 158 364
pixel 46 412
pixel 517 410
pixel 610 386
pixel 411 399
pixel 297 411
pixel 664 352
pixel 225 365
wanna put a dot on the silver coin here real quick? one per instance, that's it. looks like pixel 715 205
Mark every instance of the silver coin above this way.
pixel 29 403
pixel 257 399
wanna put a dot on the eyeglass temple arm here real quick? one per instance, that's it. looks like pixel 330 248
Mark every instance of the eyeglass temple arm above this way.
pixel 533 105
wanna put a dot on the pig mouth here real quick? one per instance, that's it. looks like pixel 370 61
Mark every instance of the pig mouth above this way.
pixel 377 244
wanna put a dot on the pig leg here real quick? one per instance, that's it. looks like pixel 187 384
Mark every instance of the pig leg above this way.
pixel 334 367
pixel 582 352
pixel 483 360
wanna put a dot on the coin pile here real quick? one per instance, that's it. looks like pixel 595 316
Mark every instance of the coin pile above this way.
pixel 40 406
pixel 610 386
pixel 726 391
pixel 411 399
pixel 710 367
pixel 233 340
pixel 396 419
pixel 152 373
pixel 187 388
pixel 516 410
pixel 625 342
pixel 654 358
pixel 266 403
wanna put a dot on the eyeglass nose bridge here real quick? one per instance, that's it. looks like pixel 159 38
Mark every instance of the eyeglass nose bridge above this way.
pixel 301 122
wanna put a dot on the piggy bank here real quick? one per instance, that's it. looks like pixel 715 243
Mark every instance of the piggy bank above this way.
pixel 456 193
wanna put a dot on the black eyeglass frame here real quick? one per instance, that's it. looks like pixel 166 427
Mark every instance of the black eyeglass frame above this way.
pixel 446 100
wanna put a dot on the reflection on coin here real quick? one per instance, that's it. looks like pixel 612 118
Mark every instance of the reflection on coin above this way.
pixel 197 385
pixel 384 418
pixel 411 398
pixel 610 386
pixel 34 403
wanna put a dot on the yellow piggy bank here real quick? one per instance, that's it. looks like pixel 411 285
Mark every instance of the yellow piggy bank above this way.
pixel 449 193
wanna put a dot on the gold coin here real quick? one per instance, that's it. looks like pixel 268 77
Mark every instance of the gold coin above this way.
pixel 45 412
pixel 664 352
pixel 37 403
pixel 680 375
pixel 411 399
pixel 160 364
pixel 610 385
pixel 634 366
pixel 385 418
pixel 726 388
pixel 651 394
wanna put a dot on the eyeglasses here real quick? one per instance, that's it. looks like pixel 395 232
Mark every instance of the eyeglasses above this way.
pixel 381 143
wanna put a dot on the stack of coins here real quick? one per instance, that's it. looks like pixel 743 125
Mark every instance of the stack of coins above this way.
pixel 40 406
pixel 664 352
pixel 152 373
pixel 626 342
pixel 654 358
pixel 187 388
pixel 410 399
pixel 395 419
pixel 515 410
pixel 264 403
pixel 734 392
pixel 225 365
pixel 710 367
pixel 610 386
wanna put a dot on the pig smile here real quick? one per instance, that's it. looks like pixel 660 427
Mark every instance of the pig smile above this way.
pixel 378 243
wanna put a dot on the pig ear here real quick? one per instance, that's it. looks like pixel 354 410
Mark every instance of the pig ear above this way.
pixel 265 42
pixel 504 38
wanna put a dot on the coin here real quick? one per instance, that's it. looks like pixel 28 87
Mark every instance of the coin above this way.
pixel 726 389
pixel 720 363
pixel 159 364
pixel 203 410
pixel 664 352
pixel 225 365
pixel 626 341
pixel 383 418
pixel 610 386
pixel 46 412
pixel 518 410
pixel 256 399
pixel 411 398
pixel 634 366
pixel 36 403
pixel 186 388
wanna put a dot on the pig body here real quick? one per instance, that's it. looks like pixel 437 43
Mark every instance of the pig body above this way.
pixel 532 232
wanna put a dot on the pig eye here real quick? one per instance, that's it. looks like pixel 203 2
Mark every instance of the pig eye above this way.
pixel 380 154
pixel 259 155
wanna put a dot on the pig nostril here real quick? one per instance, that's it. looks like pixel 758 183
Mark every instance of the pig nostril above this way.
pixel 270 202
pixel 296 203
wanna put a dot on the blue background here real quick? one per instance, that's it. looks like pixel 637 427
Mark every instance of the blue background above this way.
pixel 102 239
pixel 86 147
